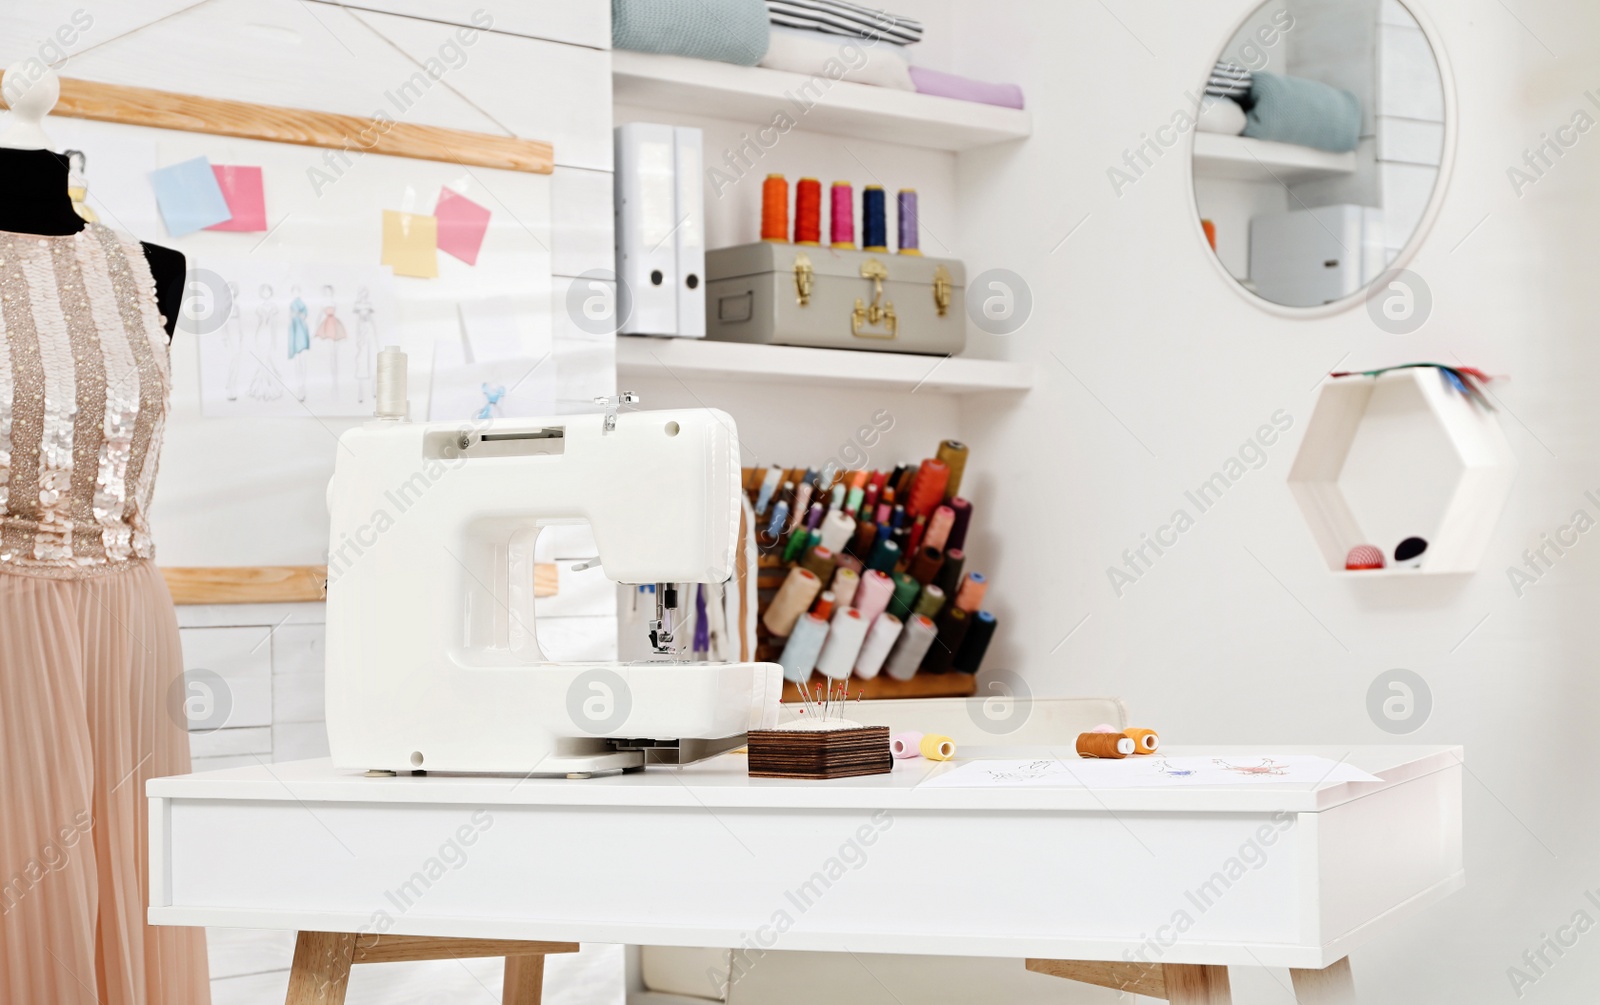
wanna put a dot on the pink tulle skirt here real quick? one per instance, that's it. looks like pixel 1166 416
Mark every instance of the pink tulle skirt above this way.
pixel 85 671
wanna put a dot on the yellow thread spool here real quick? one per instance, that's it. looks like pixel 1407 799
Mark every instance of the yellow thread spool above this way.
pixel 938 748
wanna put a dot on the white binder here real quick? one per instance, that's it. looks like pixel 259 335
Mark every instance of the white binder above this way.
pixel 646 206
pixel 691 232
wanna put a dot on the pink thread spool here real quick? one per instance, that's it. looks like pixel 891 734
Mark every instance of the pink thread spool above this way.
pixel 843 232
pixel 906 745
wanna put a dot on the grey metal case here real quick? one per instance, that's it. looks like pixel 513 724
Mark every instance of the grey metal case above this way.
pixel 787 294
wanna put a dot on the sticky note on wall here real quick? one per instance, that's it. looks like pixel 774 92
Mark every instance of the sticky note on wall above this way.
pixel 411 244
pixel 189 196
pixel 241 188
pixel 462 224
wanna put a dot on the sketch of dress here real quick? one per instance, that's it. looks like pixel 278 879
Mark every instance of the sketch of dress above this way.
pixel 492 409
pixel 331 330
pixel 299 341
pixel 233 338
pixel 366 341
pixel 265 384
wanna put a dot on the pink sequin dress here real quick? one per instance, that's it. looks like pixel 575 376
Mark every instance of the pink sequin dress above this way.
pixel 89 649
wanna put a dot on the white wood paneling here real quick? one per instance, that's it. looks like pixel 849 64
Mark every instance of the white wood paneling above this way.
pixel 537 90
pixel 232 742
pixel 579 22
pixel 582 228
pixel 241 657
pixel 297 55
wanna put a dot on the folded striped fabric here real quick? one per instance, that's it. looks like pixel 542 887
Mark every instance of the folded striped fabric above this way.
pixel 836 17
pixel 1228 80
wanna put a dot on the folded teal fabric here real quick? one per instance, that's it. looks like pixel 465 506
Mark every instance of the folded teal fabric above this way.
pixel 731 31
pixel 1307 112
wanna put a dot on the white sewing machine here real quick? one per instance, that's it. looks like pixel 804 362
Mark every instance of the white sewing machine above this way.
pixel 433 661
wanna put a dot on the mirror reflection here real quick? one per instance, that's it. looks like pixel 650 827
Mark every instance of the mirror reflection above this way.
pixel 1318 146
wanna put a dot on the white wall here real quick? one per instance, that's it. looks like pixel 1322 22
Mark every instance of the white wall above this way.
pixel 1239 633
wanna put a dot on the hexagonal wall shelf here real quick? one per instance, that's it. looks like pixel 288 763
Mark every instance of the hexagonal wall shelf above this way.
pixel 1397 456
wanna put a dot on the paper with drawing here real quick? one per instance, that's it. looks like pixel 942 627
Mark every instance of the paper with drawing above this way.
pixel 1150 772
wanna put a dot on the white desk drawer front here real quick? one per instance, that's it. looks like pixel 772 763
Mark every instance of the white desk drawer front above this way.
pixel 987 883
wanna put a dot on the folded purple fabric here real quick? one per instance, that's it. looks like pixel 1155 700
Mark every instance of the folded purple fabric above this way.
pixel 949 85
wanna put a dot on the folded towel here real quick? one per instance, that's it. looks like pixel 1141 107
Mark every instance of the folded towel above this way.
pixel 948 85
pixel 1228 80
pixel 1220 115
pixel 730 31
pixel 1307 112
pixel 839 18
pixel 832 57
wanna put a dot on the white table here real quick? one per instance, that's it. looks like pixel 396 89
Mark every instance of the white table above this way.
pixel 1180 881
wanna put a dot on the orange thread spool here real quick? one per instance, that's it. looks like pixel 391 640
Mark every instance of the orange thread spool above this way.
pixel 775 209
pixel 1112 745
pixel 1145 741
pixel 808 212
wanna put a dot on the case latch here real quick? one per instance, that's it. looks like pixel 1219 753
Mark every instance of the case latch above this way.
pixel 880 312
pixel 942 286
pixel 804 278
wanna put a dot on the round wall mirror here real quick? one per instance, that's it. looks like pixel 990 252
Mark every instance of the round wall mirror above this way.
pixel 1318 147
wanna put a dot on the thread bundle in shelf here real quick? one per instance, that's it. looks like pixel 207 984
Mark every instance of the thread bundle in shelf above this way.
pixel 864 573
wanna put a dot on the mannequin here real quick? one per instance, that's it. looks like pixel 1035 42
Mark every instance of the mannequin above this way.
pixel 36 199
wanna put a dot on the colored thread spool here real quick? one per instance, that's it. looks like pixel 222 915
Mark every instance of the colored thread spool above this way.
pixel 970 596
pixel 913 646
pixel 794 598
pixel 802 505
pixel 881 637
pixel 796 545
pixel 874 219
pixel 866 536
pixel 836 530
pixel 874 593
pixel 805 645
pixel 954 454
pixel 958 530
pixel 905 746
pixel 852 500
pixel 905 594
pixel 846 633
pixel 843 223
pixel 937 748
pixel 927 490
pixel 823 608
pixel 953 626
pixel 1145 741
pixel 939 528
pixel 885 555
pixel 927 564
pixel 918 528
pixel 778 521
pixel 769 487
pixel 775 209
pixel 820 561
pixel 1211 233
pixel 929 602
pixel 1112 745
pixel 814 515
pixel 969 658
pixel 949 577
pixel 845 582
pixel 907 205
pixel 808 212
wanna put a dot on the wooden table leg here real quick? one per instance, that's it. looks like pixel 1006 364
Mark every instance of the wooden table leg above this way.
pixel 321 968
pixel 524 980
pixel 1196 984
pixel 1331 986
